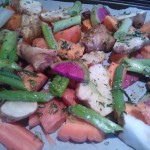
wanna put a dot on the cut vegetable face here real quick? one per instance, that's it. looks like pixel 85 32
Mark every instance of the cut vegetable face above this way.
pixel 72 69
pixel 98 91
pixel 14 111
pixel 98 14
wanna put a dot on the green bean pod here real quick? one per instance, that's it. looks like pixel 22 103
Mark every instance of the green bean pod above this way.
pixel 94 118
pixel 25 96
pixel 117 91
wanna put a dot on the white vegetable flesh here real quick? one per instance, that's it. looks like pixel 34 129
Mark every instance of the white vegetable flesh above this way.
pixel 14 111
pixel 30 7
pixel 93 58
pixel 135 133
pixel 55 15
pixel 131 45
pixel 130 15
pixel 97 93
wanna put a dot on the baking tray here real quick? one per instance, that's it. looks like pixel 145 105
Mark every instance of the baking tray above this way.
pixel 111 142
pixel 119 4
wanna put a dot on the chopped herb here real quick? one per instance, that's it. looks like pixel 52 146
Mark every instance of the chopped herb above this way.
pixel 53 108
pixel 41 105
pixel 32 83
pixel 40 114
pixel 102 103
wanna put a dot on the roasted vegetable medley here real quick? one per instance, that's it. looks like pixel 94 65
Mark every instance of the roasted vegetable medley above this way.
pixel 53 74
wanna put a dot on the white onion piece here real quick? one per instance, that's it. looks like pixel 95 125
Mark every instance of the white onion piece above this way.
pixel 14 111
pixel 135 133
pixel 5 15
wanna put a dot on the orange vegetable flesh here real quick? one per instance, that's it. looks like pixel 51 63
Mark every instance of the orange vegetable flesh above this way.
pixel 72 34
pixel 39 42
pixel 86 25
pixel 71 51
pixel 79 131
pixel 16 137
pixel 33 83
pixel 145 52
pixel 110 23
pixel 14 22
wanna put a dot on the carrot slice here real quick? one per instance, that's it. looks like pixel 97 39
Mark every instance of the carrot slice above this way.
pixel 86 25
pixel 116 57
pixel 33 83
pixel 146 29
pixel 69 97
pixel 111 71
pixel 51 115
pixel 14 22
pixel 145 52
pixel 39 42
pixel 16 137
pixel 110 23
pixel 72 34
pixel 79 131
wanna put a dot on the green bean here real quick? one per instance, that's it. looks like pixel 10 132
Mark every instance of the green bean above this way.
pixel 58 85
pixel 9 46
pixel 25 96
pixel 121 33
pixel 94 118
pixel 75 9
pixel 117 91
pixel 49 38
pixel 66 23
pixel 14 83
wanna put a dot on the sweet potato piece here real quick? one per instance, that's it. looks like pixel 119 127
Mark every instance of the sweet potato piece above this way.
pixel 134 111
pixel 69 97
pixel 51 115
pixel 110 23
pixel 86 25
pixel 69 50
pixel 39 42
pixel 80 131
pixel 146 29
pixel 111 71
pixel 72 34
pixel 116 57
pixel 14 22
pixel 16 137
pixel 145 52
pixel 33 83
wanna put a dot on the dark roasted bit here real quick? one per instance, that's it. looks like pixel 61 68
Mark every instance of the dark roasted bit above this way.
pixel 98 39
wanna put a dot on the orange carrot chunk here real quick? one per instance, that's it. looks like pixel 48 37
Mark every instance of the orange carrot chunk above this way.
pixel 145 52
pixel 72 34
pixel 52 115
pixel 69 97
pixel 86 25
pixel 14 22
pixel 111 71
pixel 33 83
pixel 146 29
pixel 69 50
pixel 80 131
pixel 16 137
pixel 116 57
pixel 39 42
pixel 110 23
